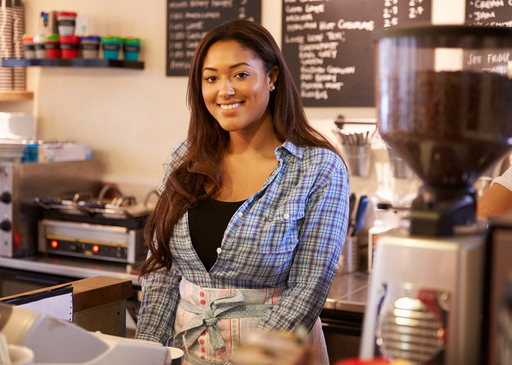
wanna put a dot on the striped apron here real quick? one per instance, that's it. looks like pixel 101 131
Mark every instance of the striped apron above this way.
pixel 211 323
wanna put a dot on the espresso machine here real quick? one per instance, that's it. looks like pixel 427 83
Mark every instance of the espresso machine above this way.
pixel 448 115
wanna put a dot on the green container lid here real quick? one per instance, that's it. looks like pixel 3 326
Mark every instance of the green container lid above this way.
pixel 131 40
pixel 111 39
pixel 52 37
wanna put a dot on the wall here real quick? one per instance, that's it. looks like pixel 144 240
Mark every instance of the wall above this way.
pixel 131 118
pixel 134 118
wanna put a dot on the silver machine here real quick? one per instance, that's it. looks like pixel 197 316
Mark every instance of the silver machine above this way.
pixel 21 183
pixel 447 112
pixel 99 228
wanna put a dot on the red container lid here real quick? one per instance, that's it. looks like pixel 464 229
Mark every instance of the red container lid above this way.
pixel 27 38
pixel 67 14
pixel 70 39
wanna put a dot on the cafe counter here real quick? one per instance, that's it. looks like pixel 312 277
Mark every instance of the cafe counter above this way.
pixel 341 317
pixel 348 292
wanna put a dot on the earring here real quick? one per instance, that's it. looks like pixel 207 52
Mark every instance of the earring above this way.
pixel 272 88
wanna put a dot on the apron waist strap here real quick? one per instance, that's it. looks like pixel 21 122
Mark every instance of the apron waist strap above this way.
pixel 231 306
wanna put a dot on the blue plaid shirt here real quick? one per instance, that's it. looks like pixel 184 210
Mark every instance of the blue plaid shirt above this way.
pixel 289 235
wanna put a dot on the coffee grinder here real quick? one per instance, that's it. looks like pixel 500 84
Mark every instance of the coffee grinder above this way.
pixel 447 112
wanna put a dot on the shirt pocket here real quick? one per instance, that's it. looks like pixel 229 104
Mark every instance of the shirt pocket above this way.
pixel 280 231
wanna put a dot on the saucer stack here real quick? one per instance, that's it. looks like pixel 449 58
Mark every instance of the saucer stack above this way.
pixel 11 150
pixel 6 44
pixel 18 29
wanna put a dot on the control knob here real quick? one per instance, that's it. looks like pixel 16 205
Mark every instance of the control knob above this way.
pixel 6 197
pixel 5 225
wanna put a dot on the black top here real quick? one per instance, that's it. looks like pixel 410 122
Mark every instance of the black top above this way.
pixel 207 222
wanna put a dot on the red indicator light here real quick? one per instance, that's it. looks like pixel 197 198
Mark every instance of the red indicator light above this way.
pixel 55 244
pixel 16 240
pixel 95 248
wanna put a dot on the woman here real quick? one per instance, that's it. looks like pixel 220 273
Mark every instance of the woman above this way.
pixel 253 213
pixel 497 200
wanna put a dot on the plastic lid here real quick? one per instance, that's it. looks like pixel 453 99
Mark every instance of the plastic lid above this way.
pixel 91 38
pixel 52 37
pixel 27 38
pixel 110 39
pixel 131 40
pixel 67 13
pixel 38 38
pixel 69 38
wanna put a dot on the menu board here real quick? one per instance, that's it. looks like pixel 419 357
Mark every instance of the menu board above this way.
pixel 491 13
pixel 189 20
pixel 488 13
pixel 329 48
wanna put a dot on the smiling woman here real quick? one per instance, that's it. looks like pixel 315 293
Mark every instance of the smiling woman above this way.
pixel 236 90
pixel 253 210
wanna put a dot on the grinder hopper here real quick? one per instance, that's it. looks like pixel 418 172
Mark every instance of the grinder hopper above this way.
pixel 444 101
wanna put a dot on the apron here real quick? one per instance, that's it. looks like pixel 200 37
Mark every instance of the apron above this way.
pixel 210 323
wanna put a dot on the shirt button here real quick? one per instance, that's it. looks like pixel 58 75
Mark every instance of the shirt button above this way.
pixel 336 266
pixel 240 215
pixel 219 250
pixel 202 301
pixel 286 216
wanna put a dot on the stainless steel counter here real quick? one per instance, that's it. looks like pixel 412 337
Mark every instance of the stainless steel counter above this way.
pixel 348 291
pixel 70 267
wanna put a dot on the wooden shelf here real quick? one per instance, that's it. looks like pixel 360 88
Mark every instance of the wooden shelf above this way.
pixel 16 95
pixel 72 62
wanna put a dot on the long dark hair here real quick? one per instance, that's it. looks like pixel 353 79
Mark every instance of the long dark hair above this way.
pixel 207 141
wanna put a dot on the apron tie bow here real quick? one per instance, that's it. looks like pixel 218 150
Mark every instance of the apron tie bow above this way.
pixel 206 318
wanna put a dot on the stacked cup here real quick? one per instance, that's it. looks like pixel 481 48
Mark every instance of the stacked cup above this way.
pixel 90 46
pixel 66 22
pixel 111 47
pixel 69 42
pixel 28 46
pixel 131 48
pixel 6 46
pixel 52 46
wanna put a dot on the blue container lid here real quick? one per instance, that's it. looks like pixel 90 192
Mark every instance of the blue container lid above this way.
pixel 91 38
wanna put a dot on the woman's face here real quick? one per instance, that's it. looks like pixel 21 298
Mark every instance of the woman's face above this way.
pixel 236 87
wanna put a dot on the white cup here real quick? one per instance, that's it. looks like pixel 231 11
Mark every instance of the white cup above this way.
pixel 40 51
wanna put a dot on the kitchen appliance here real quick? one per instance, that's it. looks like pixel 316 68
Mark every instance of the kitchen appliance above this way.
pixel 92 241
pixel 102 229
pixel 20 183
pixel 497 313
pixel 56 341
pixel 449 118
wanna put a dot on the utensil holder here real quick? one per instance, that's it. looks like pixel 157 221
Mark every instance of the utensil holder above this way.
pixel 349 258
pixel 398 166
pixel 358 158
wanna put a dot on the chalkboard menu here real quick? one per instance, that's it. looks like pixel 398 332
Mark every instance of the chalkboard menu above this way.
pixel 189 20
pixel 329 49
pixel 492 13
pixel 495 13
